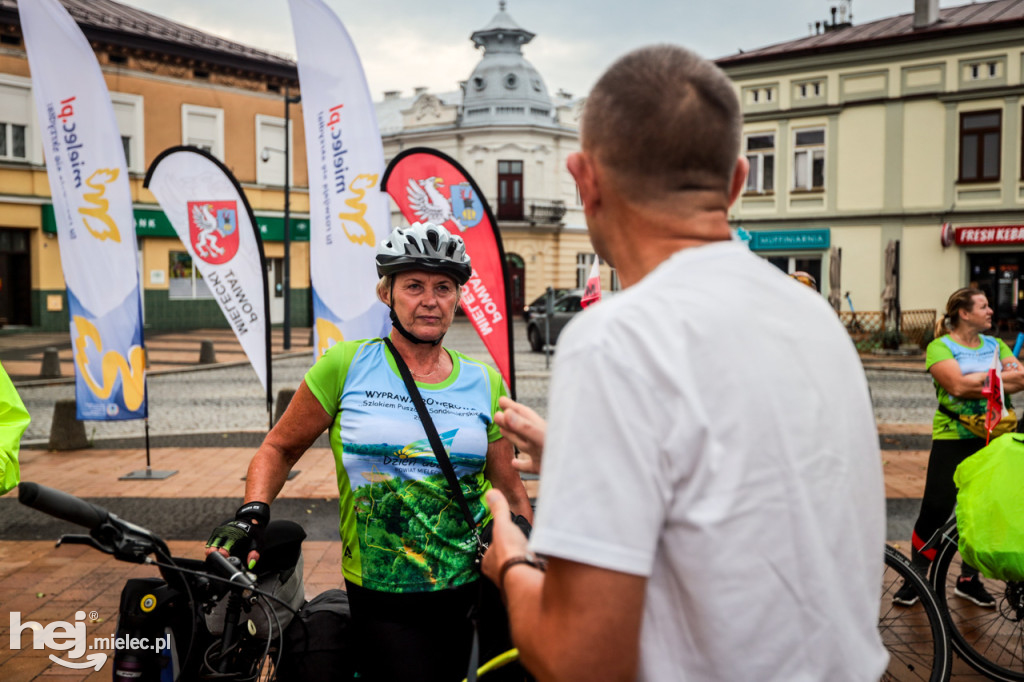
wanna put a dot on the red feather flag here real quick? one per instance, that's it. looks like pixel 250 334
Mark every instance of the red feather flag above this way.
pixel 429 185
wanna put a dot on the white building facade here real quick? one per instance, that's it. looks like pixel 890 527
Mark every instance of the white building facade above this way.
pixel 907 129
pixel 513 138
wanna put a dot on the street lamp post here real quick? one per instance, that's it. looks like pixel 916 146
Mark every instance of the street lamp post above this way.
pixel 288 101
pixel 286 280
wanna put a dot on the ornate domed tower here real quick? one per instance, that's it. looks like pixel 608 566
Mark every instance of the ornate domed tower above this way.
pixel 505 88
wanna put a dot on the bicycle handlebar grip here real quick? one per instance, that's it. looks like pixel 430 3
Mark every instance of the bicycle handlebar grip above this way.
pixel 228 570
pixel 61 505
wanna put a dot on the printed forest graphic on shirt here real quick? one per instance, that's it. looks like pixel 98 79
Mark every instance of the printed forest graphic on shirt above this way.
pixel 412 535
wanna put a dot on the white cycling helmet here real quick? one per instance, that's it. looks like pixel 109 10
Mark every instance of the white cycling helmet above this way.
pixel 424 246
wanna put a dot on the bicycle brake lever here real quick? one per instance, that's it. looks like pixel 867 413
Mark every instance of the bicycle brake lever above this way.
pixel 84 540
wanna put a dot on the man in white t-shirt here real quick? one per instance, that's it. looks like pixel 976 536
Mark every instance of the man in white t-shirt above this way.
pixel 711 503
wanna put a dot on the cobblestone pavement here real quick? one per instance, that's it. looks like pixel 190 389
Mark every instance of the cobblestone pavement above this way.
pixel 230 398
pixel 902 397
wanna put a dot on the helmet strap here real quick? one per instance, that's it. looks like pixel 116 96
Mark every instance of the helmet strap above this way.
pixel 398 325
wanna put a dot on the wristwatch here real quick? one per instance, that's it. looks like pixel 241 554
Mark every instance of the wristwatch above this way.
pixel 530 559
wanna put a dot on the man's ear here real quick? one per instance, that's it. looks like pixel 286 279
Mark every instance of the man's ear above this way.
pixel 581 166
pixel 739 179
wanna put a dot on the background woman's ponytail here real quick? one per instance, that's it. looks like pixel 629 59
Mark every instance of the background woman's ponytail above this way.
pixel 961 299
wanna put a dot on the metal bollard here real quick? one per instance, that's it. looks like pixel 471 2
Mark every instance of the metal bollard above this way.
pixel 207 356
pixel 66 432
pixel 284 396
pixel 51 363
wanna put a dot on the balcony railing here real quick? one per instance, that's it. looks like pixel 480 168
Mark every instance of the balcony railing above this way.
pixel 546 212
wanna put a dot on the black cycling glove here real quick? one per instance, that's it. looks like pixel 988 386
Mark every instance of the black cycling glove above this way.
pixel 246 530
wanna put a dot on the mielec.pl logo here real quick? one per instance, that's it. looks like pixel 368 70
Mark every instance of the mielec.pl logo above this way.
pixel 59 636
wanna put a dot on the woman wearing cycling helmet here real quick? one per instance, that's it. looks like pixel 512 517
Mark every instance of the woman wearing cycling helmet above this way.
pixel 408 558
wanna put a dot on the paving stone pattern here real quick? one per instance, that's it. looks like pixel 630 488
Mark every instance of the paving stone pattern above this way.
pixel 230 398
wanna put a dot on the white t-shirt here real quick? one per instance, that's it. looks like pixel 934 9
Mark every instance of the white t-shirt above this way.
pixel 710 428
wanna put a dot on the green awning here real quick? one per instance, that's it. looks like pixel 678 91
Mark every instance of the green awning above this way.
pixel 153 223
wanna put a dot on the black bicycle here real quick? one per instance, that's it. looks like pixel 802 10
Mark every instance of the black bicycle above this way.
pixel 218 621
pixel 989 639
pixel 214 620
pixel 916 637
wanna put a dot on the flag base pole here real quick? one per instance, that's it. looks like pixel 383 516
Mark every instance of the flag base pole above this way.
pixel 148 473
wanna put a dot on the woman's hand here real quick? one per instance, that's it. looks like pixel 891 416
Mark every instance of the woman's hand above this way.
pixel 525 429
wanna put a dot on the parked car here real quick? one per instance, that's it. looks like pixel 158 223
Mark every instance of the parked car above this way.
pixel 540 303
pixel 563 310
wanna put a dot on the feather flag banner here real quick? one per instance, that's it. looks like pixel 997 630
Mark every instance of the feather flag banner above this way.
pixel 592 294
pixel 212 217
pixel 430 186
pixel 92 204
pixel 348 212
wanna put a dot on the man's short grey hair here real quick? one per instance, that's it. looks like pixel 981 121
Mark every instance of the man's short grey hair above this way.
pixel 664 120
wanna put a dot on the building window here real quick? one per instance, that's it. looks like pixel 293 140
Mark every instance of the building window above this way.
pixel 982 70
pixel 809 159
pixel 791 264
pixel 760 95
pixel 185 280
pixel 761 155
pixel 510 190
pixel 812 89
pixel 980 140
pixel 12 141
pixel 15 119
pixel 270 144
pixel 203 127
pixel 129 115
pixel 584 262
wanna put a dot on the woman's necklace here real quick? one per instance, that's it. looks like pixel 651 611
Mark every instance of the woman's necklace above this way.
pixel 966 338
pixel 430 373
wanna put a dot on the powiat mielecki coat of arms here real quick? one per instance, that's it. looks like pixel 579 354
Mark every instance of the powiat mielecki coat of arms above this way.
pixel 462 207
pixel 213 230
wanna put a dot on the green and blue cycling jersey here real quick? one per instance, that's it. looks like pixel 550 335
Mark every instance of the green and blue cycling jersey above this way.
pixel 401 530
pixel 971 361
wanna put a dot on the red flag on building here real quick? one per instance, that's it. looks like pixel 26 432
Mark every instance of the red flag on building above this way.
pixel 592 294
pixel 430 186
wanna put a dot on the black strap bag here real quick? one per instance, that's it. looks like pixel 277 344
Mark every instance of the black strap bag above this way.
pixel 482 538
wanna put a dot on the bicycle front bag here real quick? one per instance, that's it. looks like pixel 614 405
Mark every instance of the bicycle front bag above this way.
pixel 990 508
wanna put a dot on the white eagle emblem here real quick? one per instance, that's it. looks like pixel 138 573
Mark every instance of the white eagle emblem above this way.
pixel 206 242
pixel 430 204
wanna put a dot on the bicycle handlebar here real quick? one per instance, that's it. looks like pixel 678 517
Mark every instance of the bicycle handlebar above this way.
pixel 62 505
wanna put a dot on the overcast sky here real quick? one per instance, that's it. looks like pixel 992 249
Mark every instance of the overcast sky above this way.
pixel 409 43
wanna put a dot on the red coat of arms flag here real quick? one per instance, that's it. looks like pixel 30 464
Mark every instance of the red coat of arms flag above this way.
pixel 430 186
pixel 213 230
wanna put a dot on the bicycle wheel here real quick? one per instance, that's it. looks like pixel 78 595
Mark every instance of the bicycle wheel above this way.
pixel 915 636
pixel 991 640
